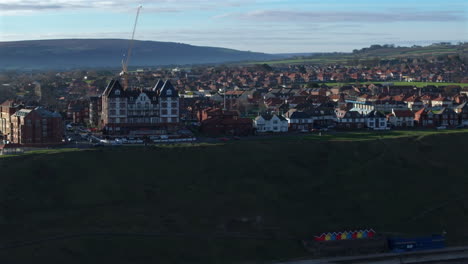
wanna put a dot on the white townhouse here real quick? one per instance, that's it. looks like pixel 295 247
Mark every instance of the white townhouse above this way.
pixel 271 123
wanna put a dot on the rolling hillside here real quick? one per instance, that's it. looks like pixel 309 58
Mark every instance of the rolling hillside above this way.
pixel 382 52
pixel 76 53
pixel 231 203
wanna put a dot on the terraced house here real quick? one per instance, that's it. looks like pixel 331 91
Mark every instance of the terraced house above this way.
pixel 139 111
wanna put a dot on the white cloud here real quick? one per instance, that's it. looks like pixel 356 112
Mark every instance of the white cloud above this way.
pixel 9 6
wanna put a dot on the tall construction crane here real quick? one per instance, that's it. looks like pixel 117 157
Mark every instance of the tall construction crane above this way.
pixel 126 60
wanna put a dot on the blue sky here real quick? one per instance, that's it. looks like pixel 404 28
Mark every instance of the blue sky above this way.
pixel 274 26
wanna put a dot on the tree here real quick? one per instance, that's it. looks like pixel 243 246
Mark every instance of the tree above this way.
pixel 302 69
pixel 264 67
pixel 312 85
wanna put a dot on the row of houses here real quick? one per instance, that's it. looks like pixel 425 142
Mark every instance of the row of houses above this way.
pixel 217 121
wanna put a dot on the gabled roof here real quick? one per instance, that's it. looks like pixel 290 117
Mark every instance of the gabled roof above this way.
pixel 441 99
pixel 268 117
pixel 375 114
pixel 444 111
pixel 352 114
pixel 299 115
pixel 46 113
pixel 158 85
pixel 23 112
pixel 8 103
pixel 113 89
pixel 461 106
pixel 168 90
pixel 403 113
pixel 421 111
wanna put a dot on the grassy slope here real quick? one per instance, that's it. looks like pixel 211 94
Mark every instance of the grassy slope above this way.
pixel 300 187
pixel 390 53
pixel 417 84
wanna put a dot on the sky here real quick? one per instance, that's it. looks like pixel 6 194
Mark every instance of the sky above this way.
pixel 272 26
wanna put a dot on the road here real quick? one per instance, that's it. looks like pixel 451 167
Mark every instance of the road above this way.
pixel 448 255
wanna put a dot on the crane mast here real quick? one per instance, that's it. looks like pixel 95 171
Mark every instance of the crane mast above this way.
pixel 126 60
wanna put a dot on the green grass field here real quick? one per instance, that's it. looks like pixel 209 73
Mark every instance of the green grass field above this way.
pixel 401 182
pixel 372 135
pixel 318 60
pixel 389 53
pixel 417 84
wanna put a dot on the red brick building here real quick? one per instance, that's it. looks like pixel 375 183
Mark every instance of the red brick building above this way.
pixel 434 118
pixel 215 121
pixel 78 111
pixel 36 127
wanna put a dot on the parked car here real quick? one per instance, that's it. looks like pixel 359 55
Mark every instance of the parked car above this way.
pixel 224 139
pixel 116 143
pixel 441 127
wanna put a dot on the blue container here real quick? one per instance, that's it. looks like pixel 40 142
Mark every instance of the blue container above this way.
pixel 399 245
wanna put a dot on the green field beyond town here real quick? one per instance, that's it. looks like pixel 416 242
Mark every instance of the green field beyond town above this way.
pixel 416 84
pixel 236 202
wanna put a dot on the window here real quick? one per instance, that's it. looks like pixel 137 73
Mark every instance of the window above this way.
pixel 164 112
pixel 122 112
pixel 112 112
pixel 122 105
pixel 112 105
pixel 169 92
pixel 275 122
pixel 174 105
pixel 117 92
pixel 164 105
pixel 174 112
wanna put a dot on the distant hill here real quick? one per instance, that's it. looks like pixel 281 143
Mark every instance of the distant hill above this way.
pixel 388 52
pixel 75 53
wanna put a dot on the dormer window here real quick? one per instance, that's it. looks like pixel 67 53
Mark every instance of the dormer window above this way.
pixel 117 92
pixel 169 92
